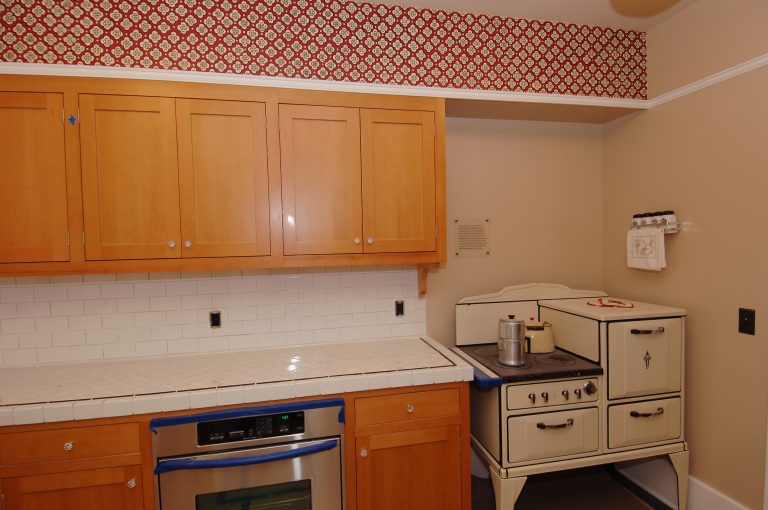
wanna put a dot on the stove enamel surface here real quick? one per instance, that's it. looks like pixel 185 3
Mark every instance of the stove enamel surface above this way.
pixel 554 365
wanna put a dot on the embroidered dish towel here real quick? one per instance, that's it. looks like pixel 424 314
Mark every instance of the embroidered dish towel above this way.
pixel 645 249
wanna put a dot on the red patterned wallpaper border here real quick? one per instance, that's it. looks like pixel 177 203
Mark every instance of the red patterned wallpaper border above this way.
pixel 329 40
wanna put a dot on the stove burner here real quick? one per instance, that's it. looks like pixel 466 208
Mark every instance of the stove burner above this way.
pixel 499 364
pixel 556 359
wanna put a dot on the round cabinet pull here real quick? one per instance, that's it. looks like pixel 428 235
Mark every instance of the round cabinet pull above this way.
pixel 410 408
pixel 171 244
pixel 356 240
pixel 69 445
pixel 188 244
pixel 369 240
pixel 363 452
pixel 131 483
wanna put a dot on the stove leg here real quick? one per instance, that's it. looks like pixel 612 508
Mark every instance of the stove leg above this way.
pixel 506 490
pixel 679 462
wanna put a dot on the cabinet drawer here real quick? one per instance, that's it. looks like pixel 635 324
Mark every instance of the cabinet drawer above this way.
pixel 644 357
pixel 52 445
pixel 406 406
pixel 643 422
pixel 542 436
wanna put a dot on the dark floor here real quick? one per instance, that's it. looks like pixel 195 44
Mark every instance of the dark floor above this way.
pixel 579 489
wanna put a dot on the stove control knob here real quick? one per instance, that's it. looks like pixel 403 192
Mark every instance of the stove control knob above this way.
pixel 577 392
pixel 545 396
pixel 590 388
pixel 564 393
pixel 532 398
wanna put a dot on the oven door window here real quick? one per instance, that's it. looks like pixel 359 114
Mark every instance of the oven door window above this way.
pixel 282 496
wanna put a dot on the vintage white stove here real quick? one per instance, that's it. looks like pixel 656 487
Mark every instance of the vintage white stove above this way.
pixel 612 391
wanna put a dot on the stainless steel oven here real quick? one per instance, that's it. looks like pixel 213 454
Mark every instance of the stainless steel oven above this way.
pixel 285 456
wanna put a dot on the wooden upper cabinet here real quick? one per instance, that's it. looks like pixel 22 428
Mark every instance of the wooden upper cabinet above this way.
pixel 320 166
pixel 223 178
pixel 130 177
pixel 33 190
pixel 398 156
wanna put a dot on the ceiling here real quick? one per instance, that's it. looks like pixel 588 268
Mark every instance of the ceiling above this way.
pixel 628 14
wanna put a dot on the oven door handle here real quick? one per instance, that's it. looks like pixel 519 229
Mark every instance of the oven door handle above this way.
pixel 167 466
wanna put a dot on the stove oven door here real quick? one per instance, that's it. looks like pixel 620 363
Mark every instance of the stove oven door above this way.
pixel 644 357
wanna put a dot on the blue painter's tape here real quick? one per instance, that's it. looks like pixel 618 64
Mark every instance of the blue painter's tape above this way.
pixel 482 380
pixel 71 119
pixel 249 411
pixel 166 466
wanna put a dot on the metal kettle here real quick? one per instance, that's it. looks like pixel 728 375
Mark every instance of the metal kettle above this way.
pixel 511 341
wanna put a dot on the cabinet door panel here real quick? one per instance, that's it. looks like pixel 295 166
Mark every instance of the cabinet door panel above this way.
pixel 33 194
pixel 97 489
pixel 223 178
pixel 411 470
pixel 320 162
pixel 130 177
pixel 398 158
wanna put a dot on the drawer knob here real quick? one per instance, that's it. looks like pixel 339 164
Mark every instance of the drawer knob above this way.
pixel 188 244
pixel 356 240
pixel 369 240
pixel 171 244
pixel 410 408
pixel 131 483
pixel 363 452
pixel 69 445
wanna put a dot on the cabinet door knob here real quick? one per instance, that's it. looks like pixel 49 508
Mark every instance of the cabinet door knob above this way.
pixel 69 445
pixel 188 244
pixel 410 408
pixel 369 240
pixel 171 244
pixel 131 483
pixel 356 240
pixel 363 452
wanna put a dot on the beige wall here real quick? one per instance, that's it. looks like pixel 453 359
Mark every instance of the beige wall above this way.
pixel 706 156
pixel 707 37
pixel 541 185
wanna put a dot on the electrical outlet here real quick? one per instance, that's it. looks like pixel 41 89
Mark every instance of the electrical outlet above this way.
pixel 747 321
pixel 399 308
pixel 214 318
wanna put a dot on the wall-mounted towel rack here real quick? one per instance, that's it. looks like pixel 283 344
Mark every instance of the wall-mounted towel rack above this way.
pixel 666 220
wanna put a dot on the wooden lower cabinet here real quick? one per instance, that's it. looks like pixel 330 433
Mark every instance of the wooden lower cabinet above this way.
pixel 117 488
pixel 410 470
pixel 411 449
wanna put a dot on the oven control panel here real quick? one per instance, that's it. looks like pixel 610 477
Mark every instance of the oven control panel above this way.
pixel 250 427
pixel 556 393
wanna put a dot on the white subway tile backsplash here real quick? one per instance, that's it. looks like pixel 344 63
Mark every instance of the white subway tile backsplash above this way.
pixel 67 308
pixel 33 309
pixel 140 304
pixel 11 326
pixel 91 317
pixel 16 295
pixel 35 340
pixel 86 321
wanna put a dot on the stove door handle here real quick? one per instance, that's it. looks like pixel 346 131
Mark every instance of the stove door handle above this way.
pixel 544 426
pixel 637 414
pixel 656 331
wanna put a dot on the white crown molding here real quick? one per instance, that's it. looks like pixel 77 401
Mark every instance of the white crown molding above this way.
pixel 311 84
pixel 377 88
pixel 714 79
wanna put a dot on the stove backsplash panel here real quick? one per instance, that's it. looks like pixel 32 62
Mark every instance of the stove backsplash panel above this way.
pixel 61 319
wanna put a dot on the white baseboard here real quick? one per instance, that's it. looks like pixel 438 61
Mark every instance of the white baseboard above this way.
pixel 703 497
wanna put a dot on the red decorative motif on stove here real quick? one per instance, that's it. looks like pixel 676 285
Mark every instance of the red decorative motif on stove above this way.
pixel 329 40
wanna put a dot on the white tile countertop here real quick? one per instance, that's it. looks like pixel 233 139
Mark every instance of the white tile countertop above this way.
pixel 52 393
